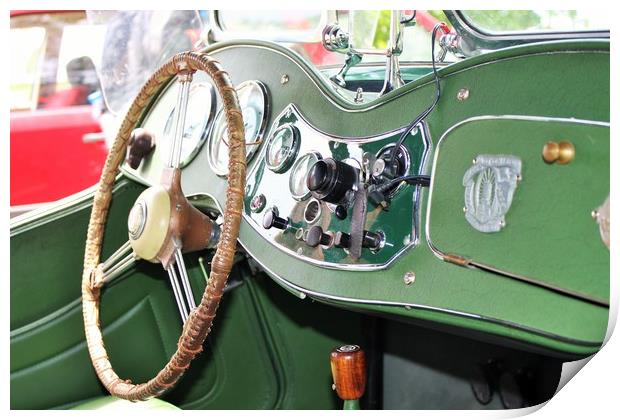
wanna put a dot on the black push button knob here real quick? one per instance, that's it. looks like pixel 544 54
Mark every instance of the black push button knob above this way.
pixel 342 240
pixel 317 237
pixel 271 219
pixel 341 212
pixel 371 240
pixel 329 180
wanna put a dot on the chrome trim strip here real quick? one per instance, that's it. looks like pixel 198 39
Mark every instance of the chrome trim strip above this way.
pixel 415 229
pixel 473 264
pixel 20 209
pixel 303 293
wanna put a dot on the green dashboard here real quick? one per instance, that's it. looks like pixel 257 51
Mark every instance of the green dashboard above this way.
pixel 533 274
pixel 542 279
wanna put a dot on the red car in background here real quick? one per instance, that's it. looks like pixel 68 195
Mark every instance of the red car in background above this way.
pixel 57 144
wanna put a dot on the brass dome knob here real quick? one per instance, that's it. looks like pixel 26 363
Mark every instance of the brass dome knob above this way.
pixel 562 152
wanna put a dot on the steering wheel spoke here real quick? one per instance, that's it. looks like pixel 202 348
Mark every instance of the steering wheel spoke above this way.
pixel 120 261
pixel 185 284
pixel 179 280
pixel 180 112
pixel 176 289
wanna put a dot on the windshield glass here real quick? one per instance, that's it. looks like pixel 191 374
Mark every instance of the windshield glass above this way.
pixel 136 43
pixel 521 21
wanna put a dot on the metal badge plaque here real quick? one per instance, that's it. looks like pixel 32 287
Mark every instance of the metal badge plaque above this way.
pixel 602 216
pixel 489 187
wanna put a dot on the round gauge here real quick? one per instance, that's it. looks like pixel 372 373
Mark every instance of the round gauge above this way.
pixel 200 106
pixel 299 173
pixel 282 148
pixel 254 108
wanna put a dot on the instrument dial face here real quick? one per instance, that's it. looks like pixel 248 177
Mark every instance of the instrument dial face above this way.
pixel 199 112
pixel 299 173
pixel 282 148
pixel 254 108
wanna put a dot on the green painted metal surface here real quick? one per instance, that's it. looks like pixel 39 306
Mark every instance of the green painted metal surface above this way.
pixel 549 235
pixel 351 405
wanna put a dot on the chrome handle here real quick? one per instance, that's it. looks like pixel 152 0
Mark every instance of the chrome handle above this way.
pixel 93 137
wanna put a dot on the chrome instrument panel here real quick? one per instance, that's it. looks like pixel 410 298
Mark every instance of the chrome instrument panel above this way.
pixel 277 180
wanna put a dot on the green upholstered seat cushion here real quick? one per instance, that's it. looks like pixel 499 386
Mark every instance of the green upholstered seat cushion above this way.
pixel 113 403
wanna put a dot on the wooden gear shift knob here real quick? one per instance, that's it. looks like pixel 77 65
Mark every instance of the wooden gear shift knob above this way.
pixel 348 365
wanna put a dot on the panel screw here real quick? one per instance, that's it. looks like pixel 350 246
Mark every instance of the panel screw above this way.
pixel 462 94
pixel 284 79
pixel 359 95
pixel 258 203
pixel 409 278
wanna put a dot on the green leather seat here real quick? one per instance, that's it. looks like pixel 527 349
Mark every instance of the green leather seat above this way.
pixel 113 403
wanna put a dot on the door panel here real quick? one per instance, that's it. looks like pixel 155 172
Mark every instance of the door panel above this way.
pixel 49 157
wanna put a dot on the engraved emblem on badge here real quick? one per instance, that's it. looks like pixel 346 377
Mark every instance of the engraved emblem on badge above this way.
pixel 489 187
pixel 601 215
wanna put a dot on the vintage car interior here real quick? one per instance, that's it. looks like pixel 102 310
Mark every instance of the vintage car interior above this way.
pixel 397 222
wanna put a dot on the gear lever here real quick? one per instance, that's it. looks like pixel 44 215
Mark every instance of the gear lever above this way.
pixel 348 365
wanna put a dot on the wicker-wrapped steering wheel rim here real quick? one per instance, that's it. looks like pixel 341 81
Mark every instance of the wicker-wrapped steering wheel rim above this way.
pixel 200 320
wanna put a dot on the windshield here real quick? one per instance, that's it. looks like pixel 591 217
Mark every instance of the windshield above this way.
pixel 522 21
pixel 136 43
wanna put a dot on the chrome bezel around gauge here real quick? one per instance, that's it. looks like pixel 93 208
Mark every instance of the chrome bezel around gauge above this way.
pixel 252 95
pixel 290 156
pixel 205 125
pixel 295 169
pixel 406 158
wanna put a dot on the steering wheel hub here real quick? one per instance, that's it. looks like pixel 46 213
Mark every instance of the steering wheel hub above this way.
pixel 136 220
pixel 148 222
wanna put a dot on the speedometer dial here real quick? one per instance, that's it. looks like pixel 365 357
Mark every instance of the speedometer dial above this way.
pixel 200 108
pixel 254 107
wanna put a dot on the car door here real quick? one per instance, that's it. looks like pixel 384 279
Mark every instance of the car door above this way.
pixel 57 144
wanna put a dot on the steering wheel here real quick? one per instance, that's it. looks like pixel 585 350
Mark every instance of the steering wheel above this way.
pixel 163 224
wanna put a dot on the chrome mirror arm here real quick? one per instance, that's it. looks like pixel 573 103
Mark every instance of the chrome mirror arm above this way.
pixel 351 60
pixel 335 39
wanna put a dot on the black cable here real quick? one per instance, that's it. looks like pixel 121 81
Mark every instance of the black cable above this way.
pixel 406 21
pixel 428 110
pixel 422 180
